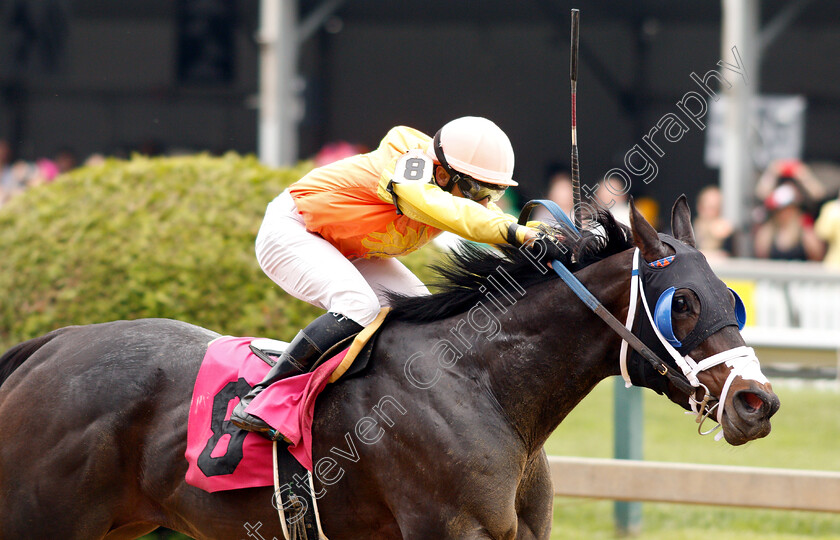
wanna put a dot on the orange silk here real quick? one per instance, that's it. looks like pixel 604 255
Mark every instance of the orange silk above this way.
pixel 340 202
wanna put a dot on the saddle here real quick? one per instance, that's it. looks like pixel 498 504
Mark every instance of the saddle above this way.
pixel 354 363
pixel 223 457
pixel 269 351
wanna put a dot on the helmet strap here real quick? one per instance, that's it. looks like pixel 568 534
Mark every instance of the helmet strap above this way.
pixel 454 176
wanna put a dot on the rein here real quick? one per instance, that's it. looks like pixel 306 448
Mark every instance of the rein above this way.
pixel 741 360
pixel 678 380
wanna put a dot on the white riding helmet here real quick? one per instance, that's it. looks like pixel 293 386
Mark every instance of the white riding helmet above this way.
pixel 477 147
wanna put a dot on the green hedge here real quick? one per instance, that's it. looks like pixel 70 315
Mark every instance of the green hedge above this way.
pixel 165 237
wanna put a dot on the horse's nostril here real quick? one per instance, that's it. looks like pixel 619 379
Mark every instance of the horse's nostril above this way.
pixel 752 401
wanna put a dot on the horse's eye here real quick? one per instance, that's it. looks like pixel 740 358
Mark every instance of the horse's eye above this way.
pixel 680 305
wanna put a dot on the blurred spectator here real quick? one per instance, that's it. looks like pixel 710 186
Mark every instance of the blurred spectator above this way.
pixel 20 176
pixel 66 160
pixel 610 195
pixel 15 176
pixel 559 190
pixel 335 151
pixel 789 233
pixel 827 227
pixel 712 231
pixel 5 155
pixel 6 176
pixel 791 171
pixel 46 171
pixel 95 160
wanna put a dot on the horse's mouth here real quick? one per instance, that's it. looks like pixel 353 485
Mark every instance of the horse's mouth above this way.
pixel 748 414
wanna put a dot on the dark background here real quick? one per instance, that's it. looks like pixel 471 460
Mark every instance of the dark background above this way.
pixel 112 77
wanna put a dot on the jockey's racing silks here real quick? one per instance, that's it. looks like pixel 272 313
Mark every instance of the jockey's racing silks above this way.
pixel 349 204
pixel 686 269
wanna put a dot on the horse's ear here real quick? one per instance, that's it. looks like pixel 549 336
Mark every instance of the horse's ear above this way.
pixel 645 237
pixel 681 222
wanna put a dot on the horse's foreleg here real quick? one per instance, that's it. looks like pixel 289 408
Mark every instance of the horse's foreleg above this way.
pixel 535 500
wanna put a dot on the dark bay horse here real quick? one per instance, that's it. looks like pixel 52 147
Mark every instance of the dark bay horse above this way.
pixel 442 436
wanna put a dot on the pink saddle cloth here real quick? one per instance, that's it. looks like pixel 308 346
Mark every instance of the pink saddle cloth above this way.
pixel 219 459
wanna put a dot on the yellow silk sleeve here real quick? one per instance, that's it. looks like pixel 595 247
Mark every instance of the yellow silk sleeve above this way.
pixel 429 204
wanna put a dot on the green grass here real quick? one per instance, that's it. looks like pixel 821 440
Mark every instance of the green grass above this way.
pixel 806 435
pixel 584 519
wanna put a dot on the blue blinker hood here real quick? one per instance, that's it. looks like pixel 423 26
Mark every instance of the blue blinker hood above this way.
pixel 686 269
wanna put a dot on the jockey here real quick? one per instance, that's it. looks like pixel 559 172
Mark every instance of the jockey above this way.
pixel 333 236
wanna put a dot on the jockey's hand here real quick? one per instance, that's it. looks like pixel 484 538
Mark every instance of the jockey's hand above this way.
pixel 545 246
pixel 530 236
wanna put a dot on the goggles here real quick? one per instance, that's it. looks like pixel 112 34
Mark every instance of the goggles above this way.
pixel 474 190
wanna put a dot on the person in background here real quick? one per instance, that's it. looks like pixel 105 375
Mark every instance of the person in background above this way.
pixel 335 151
pixel 785 171
pixel 332 238
pixel 66 160
pixel 610 196
pixel 827 227
pixel 712 231
pixel 559 190
pixel 46 171
pixel 5 156
pixel 94 160
pixel 7 178
pixel 789 233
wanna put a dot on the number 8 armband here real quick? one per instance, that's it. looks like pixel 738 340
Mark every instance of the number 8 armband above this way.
pixel 413 166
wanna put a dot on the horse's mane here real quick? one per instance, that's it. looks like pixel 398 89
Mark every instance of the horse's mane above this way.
pixel 467 270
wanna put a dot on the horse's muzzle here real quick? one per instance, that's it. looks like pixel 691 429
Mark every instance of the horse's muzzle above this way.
pixel 752 408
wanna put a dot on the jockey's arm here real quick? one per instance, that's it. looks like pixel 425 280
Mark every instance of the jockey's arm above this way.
pixel 427 203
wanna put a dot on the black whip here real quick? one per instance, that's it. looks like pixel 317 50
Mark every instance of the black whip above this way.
pixel 573 73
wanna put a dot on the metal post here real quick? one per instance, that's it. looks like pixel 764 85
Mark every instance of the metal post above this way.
pixel 279 104
pixel 740 24
pixel 628 431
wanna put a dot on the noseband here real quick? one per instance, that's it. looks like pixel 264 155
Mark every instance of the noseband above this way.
pixel 741 360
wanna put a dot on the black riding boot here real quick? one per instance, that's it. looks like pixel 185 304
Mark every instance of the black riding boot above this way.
pixel 304 350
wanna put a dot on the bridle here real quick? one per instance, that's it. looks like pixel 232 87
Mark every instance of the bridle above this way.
pixel 741 360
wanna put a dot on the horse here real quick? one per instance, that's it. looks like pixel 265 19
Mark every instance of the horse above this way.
pixel 440 437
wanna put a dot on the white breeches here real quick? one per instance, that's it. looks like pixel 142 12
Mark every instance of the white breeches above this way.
pixel 313 270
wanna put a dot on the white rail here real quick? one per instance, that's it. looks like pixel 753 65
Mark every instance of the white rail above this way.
pixel 788 294
pixel 752 487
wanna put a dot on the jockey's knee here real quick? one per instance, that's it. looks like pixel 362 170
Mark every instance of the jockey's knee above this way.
pixel 362 308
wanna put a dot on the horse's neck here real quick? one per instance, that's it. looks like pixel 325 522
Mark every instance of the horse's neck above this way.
pixel 539 372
